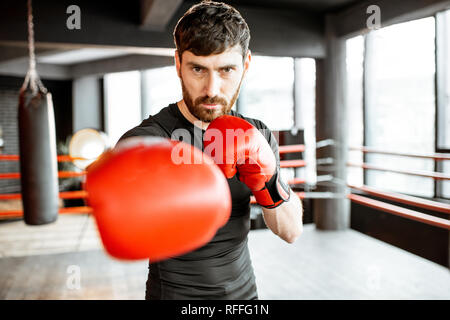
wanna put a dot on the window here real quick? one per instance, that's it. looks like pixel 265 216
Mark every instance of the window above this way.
pixel 443 118
pixel 122 103
pixel 400 103
pixel 305 115
pixel 160 87
pixel 355 133
pixel 267 92
pixel 444 79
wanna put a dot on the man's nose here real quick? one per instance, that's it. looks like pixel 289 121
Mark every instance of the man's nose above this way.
pixel 212 86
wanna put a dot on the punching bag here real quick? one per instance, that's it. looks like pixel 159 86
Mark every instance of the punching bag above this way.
pixel 37 147
pixel 38 162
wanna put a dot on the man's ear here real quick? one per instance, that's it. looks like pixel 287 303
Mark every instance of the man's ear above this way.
pixel 177 63
pixel 248 59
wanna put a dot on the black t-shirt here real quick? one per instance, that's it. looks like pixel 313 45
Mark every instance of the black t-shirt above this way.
pixel 222 268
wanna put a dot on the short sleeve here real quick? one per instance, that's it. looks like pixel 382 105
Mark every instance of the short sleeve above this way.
pixel 267 133
pixel 150 130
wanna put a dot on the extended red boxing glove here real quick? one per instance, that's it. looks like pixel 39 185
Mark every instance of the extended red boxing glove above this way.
pixel 239 148
pixel 148 206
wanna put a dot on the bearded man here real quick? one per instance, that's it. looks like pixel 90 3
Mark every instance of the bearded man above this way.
pixel 212 58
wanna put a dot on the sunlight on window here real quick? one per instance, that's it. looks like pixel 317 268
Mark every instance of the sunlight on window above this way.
pixel 400 103
pixel 305 82
pixel 355 120
pixel 444 112
pixel 267 92
pixel 122 103
pixel 161 87
pixel 305 114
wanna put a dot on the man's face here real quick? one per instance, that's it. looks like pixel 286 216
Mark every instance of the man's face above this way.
pixel 211 84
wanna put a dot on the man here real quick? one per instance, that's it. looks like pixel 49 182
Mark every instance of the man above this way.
pixel 212 58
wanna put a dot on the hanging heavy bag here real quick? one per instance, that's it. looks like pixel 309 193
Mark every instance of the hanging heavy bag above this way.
pixel 38 159
pixel 37 145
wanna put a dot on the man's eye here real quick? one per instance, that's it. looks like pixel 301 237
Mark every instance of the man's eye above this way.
pixel 227 70
pixel 197 69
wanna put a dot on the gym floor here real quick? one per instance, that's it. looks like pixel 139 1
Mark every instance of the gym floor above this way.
pixel 36 263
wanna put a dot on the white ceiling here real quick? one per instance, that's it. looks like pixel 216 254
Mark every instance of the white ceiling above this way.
pixel 70 57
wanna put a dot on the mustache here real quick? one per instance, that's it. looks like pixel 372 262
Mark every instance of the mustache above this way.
pixel 211 100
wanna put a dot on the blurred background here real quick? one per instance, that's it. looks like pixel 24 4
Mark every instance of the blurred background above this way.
pixel 361 86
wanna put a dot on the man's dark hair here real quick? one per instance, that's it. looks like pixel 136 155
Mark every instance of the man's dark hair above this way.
pixel 211 28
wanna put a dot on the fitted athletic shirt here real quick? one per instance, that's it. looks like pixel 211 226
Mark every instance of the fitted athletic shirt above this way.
pixel 220 269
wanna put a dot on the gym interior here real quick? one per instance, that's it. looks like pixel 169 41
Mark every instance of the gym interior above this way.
pixel 356 92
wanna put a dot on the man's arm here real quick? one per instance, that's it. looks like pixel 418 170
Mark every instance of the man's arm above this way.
pixel 286 220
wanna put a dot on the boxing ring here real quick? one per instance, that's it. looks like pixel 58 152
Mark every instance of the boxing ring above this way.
pixel 369 268
pixel 80 194
pixel 379 205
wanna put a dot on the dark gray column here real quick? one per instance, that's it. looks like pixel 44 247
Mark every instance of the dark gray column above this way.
pixel 331 123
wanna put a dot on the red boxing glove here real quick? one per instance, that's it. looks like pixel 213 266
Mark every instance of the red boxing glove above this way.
pixel 148 206
pixel 238 147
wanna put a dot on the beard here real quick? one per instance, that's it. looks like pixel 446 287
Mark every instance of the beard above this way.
pixel 208 115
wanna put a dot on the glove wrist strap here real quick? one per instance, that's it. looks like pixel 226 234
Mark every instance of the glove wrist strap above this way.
pixel 274 193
